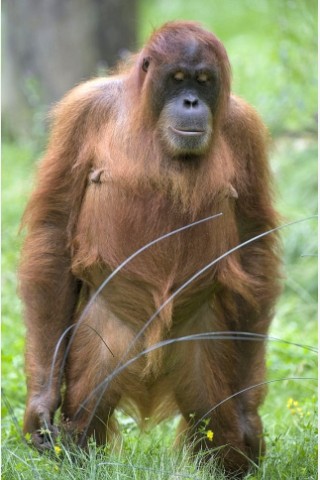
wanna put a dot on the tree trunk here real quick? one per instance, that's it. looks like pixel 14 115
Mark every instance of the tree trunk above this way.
pixel 51 45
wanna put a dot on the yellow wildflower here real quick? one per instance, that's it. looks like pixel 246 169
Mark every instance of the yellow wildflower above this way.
pixel 57 450
pixel 210 435
pixel 290 402
pixel 293 406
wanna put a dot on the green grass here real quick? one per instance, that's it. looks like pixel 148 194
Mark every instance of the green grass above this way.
pixel 280 82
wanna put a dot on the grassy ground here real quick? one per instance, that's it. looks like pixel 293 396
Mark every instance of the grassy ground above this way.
pixel 289 413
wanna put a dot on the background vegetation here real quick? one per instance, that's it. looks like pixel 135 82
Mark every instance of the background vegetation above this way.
pixel 272 48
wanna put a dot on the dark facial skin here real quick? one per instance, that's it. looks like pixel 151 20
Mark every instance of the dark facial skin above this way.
pixel 184 96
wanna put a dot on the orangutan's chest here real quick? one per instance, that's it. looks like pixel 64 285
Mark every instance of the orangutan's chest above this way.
pixel 114 225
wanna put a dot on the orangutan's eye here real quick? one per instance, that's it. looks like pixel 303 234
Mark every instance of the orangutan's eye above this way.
pixel 179 76
pixel 202 78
